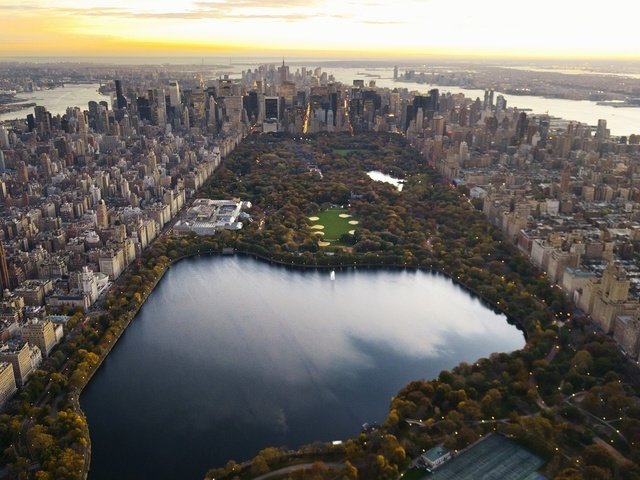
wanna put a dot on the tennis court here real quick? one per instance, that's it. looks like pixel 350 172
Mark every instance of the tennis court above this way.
pixel 494 458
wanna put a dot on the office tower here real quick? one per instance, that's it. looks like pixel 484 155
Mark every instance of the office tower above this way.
pixel 43 120
pixel 31 122
pixel 92 115
pixel 144 109
pixel 157 106
pixel 162 108
pixel 420 102
pixel 121 101
pixel 543 128
pixel 283 73
pixel 271 108
pixel 101 120
pixel 501 104
pixel 174 94
pixel 601 131
pixel 395 72
pixel 488 99
pixel 212 115
pixel 199 102
pixel 409 116
pixel 251 105
pixel 434 100
pixel 522 125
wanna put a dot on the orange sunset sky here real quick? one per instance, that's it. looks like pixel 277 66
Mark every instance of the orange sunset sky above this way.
pixel 322 28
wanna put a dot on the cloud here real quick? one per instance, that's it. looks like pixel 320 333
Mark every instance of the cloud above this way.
pixel 271 4
pixel 381 22
pixel 283 10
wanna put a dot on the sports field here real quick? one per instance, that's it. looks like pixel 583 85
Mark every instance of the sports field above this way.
pixel 343 151
pixel 494 458
pixel 333 223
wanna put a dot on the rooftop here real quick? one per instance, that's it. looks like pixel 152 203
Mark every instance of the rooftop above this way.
pixel 435 453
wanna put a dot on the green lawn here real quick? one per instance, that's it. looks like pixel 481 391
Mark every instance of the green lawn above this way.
pixel 334 226
pixel 344 151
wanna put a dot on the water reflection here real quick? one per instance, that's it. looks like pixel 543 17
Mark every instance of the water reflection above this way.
pixel 383 177
pixel 230 355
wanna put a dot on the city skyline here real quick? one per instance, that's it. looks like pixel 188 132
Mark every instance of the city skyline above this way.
pixel 411 29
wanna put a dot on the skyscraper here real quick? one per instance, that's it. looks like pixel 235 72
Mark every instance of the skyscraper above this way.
pixel 434 101
pixel 174 93
pixel 488 99
pixel 271 108
pixel 43 120
pixel 601 131
pixel 283 72
pixel 121 101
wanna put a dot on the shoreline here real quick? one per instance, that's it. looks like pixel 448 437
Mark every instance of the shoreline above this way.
pixel 289 265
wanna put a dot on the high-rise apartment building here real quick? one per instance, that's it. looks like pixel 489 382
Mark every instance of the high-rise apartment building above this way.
pixel 23 357
pixel 7 382
pixel 40 333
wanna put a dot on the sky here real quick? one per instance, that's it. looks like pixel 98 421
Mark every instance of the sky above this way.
pixel 411 29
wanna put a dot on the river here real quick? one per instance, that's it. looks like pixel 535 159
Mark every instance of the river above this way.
pixel 57 100
pixel 620 121
pixel 230 355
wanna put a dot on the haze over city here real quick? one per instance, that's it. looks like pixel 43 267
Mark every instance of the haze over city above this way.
pixel 321 28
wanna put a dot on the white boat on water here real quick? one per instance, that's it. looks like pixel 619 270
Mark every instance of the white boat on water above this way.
pixel 333 274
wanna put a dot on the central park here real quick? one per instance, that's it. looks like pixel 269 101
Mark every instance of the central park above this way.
pixel 315 207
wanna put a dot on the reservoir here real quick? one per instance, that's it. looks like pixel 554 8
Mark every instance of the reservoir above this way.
pixel 230 355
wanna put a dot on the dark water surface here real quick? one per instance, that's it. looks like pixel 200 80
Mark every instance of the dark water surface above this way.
pixel 231 355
